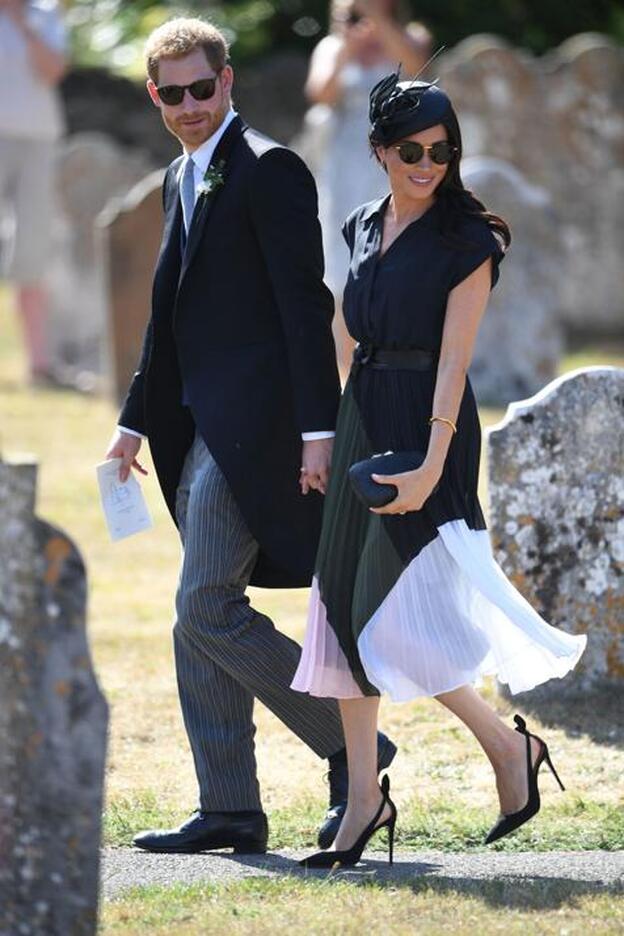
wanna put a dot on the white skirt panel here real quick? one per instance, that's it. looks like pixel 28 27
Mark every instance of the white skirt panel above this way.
pixel 453 617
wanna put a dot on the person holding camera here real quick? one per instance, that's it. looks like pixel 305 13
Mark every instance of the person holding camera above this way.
pixel 367 38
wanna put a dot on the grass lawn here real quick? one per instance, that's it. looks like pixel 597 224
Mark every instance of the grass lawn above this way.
pixel 335 907
pixel 441 781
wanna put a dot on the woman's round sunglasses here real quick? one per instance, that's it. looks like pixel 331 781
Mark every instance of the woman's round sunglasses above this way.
pixel 201 90
pixel 411 152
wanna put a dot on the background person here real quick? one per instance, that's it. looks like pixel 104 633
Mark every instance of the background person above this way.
pixel 33 57
pixel 367 39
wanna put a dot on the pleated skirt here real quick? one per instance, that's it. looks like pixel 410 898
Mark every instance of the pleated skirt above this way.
pixel 416 605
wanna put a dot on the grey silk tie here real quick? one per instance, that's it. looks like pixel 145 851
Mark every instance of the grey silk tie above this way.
pixel 187 192
pixel 187 196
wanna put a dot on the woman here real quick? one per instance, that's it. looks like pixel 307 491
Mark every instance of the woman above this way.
pixel 366 37
pixel 407 599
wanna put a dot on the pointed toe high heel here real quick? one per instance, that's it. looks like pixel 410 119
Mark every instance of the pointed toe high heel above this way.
pixel 512 821
pixel 350 856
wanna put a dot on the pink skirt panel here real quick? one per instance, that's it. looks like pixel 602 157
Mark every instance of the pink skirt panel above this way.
pixel 323 669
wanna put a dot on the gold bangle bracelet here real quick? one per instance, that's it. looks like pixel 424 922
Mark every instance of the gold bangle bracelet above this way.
pixel 443 419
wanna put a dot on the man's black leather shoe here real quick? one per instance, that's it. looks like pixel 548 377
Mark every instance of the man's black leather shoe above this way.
pixel 245 832
pixel 339 787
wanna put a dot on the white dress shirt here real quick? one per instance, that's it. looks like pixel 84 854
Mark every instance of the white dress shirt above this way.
pixel 202 157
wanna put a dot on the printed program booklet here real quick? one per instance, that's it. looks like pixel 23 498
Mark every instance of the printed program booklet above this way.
pixel 124 506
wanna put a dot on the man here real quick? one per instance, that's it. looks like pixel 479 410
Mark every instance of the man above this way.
pixel 32 52
pixel 237 392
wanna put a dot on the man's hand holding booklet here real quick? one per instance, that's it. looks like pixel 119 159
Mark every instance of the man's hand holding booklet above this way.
pixel 123 503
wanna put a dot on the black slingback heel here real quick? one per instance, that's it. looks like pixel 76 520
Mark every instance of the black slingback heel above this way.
pixel 509 823
pixel 351 856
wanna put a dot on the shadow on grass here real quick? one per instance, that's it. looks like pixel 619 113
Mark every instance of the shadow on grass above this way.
pixel 504 888
pixel 534 893
pixel 596 712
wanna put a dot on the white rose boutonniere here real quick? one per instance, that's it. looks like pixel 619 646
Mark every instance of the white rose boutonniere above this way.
pixel 212 180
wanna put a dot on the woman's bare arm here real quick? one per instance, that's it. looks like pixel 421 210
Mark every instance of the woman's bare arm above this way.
pixel 328 59
pixel 49 64
pixel 464 311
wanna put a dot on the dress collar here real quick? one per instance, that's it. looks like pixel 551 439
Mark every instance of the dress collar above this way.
pixel 375 208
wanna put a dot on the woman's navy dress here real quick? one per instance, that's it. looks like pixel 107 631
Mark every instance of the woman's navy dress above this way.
pixel 415 604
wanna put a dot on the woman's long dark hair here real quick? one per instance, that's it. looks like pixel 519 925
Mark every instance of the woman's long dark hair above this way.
pixel 456 201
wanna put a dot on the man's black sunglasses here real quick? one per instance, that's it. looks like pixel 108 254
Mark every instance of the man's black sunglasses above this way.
pixel 201 90
pixel 411 152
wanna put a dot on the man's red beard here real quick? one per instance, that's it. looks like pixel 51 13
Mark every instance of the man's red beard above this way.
pixel 187 126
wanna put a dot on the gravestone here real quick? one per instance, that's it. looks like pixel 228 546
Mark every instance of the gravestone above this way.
pixel 53 722
pixel 584 114
pixel 494 89
pixel 91 169
pixel 560 121
pixel 130 231
pixel 520 338
pixel 556 490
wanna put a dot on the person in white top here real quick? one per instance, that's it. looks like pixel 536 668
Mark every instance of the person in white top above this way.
pixel 367 39
pixel 33 57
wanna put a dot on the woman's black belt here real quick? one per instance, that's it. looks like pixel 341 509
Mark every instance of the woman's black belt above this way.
pixel 392 359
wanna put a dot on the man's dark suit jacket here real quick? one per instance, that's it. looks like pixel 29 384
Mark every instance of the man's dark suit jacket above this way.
pixel 245 317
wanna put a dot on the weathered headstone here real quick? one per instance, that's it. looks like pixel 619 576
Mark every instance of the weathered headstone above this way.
pixel 91 170
pixel 130 230
pixel 556 490
pixel 520 338
pixel 560 120
pixel 584 115
pixel 53 722
pixel 494 89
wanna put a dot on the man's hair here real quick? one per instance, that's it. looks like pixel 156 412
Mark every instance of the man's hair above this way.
pixel 179 37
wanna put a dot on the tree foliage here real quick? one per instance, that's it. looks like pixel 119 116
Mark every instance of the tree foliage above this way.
pixel 112 32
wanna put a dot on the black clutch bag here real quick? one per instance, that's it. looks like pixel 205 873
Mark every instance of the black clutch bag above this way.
pixel 390 463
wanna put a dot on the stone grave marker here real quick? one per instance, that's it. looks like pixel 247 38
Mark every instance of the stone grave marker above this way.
pixel 556 490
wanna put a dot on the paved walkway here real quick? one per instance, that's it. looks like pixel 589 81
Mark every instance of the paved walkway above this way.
pixel 581 872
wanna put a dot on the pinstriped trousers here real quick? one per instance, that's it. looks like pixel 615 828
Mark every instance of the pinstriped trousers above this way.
pixel 227 653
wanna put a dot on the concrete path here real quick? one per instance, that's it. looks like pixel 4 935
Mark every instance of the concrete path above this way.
pixel 580 872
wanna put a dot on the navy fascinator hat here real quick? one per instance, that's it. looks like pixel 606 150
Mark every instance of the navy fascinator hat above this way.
pixel 400 108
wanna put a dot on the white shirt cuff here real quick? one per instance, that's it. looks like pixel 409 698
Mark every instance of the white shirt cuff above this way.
pixel 321 434
pixel 133 432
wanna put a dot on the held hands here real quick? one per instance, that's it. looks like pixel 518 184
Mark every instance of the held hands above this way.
pixel 414 488
pixel 315 462
pixel 125 446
